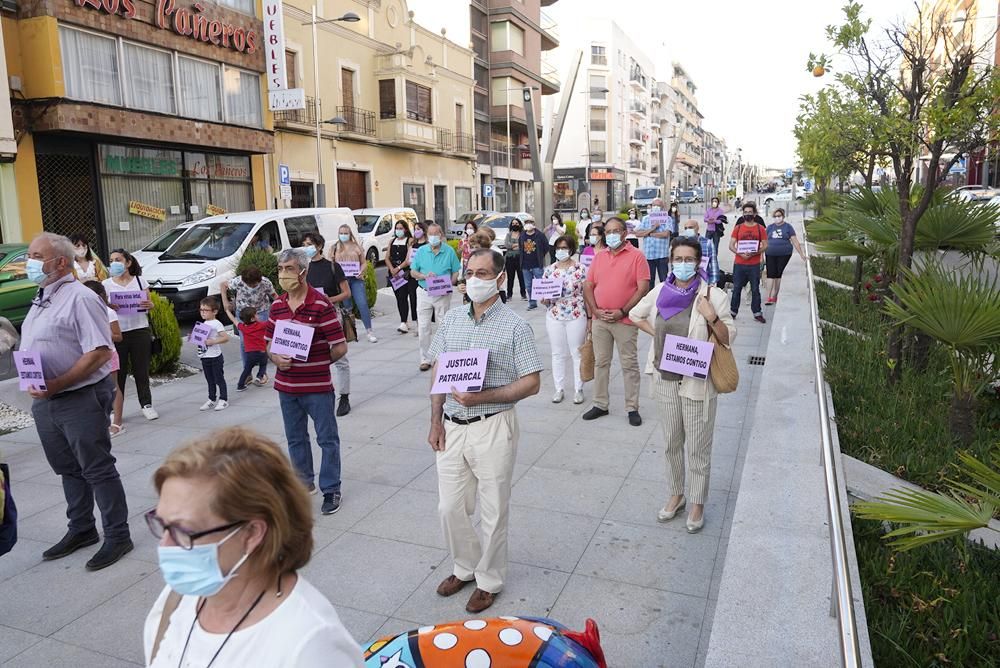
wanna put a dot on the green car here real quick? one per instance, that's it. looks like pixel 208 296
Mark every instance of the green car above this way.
pixel 16 291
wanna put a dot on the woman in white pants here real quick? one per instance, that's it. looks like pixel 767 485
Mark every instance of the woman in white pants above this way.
pixel 566 320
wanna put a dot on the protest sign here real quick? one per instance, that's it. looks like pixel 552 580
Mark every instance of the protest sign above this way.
pixel 463 371
pixel 587 260
pixel 200 334
pixel 546 288
pixel 658 218
pixel 688 357
pixel 128 301
pixel 397 281
pixel 351 269
pixel 747 246
pixel 29 370
pixel 292 340
pixel 439 285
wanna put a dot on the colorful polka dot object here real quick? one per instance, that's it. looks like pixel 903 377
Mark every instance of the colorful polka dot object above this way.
pixel 500 642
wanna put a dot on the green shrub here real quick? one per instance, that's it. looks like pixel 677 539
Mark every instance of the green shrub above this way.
pixel 570 227
pixel 836 305
pixel 371 284
pixel 834 269
pixel 264 260
pixel 936 606
pixel 454 245
pixel 164 326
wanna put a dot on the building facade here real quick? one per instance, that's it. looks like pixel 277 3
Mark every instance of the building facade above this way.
pixel 132 116
pixel 402 97
pixel 688 168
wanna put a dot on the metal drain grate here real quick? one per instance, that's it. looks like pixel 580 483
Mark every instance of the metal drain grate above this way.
pixel 756 360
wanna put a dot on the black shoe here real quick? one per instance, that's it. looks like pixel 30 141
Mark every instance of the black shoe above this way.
pixel 331 503
pixel 594 413
pixel 634 418
pixel 109 554
pixel 70 543
pixel 344 407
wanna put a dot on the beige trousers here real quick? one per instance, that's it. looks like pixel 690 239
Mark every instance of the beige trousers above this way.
pixel 685 429
pixel 606 336
pixel 478 461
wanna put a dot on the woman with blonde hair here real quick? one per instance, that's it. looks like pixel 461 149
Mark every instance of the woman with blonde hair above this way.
pixel 235 527
pixel 347 249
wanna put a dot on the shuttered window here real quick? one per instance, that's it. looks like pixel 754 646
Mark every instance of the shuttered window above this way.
pixel 418 102
pixel 387 98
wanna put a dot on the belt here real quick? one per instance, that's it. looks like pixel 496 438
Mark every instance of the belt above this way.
pixel 470 420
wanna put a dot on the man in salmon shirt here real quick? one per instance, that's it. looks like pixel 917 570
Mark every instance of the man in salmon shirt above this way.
pixel 746 265
pixel 617 280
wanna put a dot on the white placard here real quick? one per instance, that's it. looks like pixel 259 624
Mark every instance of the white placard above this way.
pixel 274 46
pixel 287 99
pixel 285 192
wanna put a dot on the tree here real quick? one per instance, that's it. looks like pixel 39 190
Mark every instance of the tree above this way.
pixel 934 93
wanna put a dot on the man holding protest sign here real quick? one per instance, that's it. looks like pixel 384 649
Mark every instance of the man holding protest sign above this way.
pixel 486 355
pixel 748 243
pixel 66 333
pixel 435 266
pixel 305 338
pixel 656 230
pixel 680 317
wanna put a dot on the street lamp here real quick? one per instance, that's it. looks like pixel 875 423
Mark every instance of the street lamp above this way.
pixel 349 17
pixel 506 99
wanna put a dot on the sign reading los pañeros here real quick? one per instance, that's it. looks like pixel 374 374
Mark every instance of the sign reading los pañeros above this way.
pixel 186 21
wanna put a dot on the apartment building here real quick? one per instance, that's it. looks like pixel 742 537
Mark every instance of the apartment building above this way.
pixel 688 170
pixel 394 105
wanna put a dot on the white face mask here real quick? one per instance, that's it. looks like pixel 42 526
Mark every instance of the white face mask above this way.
pixel 80 252
pixel 529 227
pixel 481 289
pixel 688 232
pixel 655 208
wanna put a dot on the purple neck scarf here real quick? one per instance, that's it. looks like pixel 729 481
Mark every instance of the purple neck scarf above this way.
pixel 672 299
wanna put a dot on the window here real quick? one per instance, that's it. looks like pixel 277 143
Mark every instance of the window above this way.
pixel 245 6
pixel 598 55
pixel 463 200
pixel 386 98
pixel 149 79
pixel 384 225
pixel 507 91
pixel 413 197
pixel 598 150
pixel 598 119
pixel 418 102
pixel 290 68
pixel 598 86
pixel 505 36
pixel 90 66
pixel 200 86
pixel 297 227
pixel 242 91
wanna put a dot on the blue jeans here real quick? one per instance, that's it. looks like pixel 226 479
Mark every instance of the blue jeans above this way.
pixel 262 316
pixel 295 411
pixel 359 297
pixel 659 266
pixel 743 274
pixel 253 359
pixel 215 376
pixel 529 277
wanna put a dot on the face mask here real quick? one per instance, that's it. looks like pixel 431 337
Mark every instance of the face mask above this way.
pixel 310 251
pixel 344 238
pixel 613 239
pixel 529 227
pixel 80 252
pixel 688 232
pixel 562 254
pixel 400 234
pixel 778 219
pixel 555 221
pixel 631 216
pixel 418 233
pixel 469 231
pixel 655 208
pixel 597 216
pixel 594 239
pixel 289 283
pixel 434 239
pixel 480 290
pixel 196 572
pixel 116 268
pixel 684 271
pixel 34 269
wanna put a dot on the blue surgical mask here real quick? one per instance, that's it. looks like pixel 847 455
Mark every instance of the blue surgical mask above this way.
pixel 655 208
pixel 116 268
pixel 613 240
pixel 310 251
pixel 434 239
pixel 34 269
pixel 196 572
pixel 684 271
pixel 562 254
pixel 594 239
pixel 400 233
pixel 344 238
pixel 688 232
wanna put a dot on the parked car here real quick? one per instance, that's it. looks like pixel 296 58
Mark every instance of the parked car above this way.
pixel 151 252
pixel 995 203
pixel 784 195
pixel 457 229
pixel 16 291
pixel 208 250
pixel 642 198
pixel 375 228
pixel 687 197
pixel 975 193
pixel 500 224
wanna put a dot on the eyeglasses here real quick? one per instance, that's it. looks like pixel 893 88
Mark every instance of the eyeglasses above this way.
pixel 182 537
pixel 684 260
pixel 482 274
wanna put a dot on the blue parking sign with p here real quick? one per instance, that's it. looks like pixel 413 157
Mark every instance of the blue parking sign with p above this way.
pixel 487 190
pixel 284 176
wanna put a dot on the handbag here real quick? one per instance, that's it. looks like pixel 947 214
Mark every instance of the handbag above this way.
pixel 8 513
pixel 587 359
pixel 349 325
pixel 722 370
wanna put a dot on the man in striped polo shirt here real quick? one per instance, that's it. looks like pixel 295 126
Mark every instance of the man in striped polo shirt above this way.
pixel 305 388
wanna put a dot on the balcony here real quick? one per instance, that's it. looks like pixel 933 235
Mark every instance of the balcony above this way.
pixel 637 109
pixel 293 117
pixel 406 133
pixel 503 151
pixel 637 164
pixel 550 77
pixel 465 143
pixel 636 78
pixel 359 121
pixel 549 32
pixel 635 138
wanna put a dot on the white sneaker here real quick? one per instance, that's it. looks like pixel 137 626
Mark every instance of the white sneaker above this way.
pixel 371 337
pixel 557 397
pixel 578 397
pixel 403 329
pixel 150 412
pixel 222 405
pixel 207 406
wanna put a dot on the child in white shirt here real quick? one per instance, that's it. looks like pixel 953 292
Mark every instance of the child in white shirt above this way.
pixel 210 355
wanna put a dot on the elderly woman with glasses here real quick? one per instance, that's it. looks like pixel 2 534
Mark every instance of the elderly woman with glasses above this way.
pixel 235 527
pixel 685 306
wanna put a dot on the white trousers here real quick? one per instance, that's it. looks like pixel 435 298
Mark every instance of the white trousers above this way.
pixel 478 462
pixel 428 306
pixel 565 339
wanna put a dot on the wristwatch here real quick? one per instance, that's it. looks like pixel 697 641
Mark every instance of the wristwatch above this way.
pixel 716 319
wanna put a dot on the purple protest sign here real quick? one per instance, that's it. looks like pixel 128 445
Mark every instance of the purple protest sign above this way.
pixel 657 218
pixel 29 370
pixel 292 339
pixel 439 285
pixel 351 269
pixel 200 334
pixel 747 246
pixel 127 301
pixel 397 281
pixel 587 260
pixel 704 263
pixel 546 288
pixel 463 371
pixel 688 357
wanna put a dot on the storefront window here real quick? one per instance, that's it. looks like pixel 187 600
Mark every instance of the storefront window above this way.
pixel 415 198
pixel 242 91
pixel 150 79
pixel 463 201
pixel 90 66
pixel 564 194
pixel 200 83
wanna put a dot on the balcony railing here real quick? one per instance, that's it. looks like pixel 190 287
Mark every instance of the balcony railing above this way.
pixel 637 108
pixel 550 72
pixel 635 137
pixel 359 121
pixel 445 139
pixel 305 116
pixel 548 24
pixel 465 143
pixel 503 152
pixel 637 164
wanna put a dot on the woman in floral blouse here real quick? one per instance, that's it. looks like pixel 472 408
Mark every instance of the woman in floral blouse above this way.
pixel 566 320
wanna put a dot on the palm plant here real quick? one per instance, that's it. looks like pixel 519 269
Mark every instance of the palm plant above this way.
pixel 927 517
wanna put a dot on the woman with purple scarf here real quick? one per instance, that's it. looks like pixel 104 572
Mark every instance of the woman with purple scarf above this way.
pixel 686 305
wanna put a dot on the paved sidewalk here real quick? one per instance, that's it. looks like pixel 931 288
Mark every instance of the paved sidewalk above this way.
pixel 584 540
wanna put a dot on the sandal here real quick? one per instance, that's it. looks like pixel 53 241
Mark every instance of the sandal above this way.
pixel 116 429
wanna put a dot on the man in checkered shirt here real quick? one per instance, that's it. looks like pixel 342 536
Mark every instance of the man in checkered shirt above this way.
pixel 475 433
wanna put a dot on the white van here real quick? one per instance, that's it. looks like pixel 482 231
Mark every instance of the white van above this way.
pixel 209 250
pixel 375 228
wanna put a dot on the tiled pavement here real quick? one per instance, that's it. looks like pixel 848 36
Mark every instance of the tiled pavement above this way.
pixel 584 540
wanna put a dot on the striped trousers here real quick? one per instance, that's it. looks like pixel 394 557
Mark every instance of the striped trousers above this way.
pixel 685 430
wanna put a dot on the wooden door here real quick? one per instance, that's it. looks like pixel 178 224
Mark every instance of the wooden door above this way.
pixel 347 86
pixel 352 188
